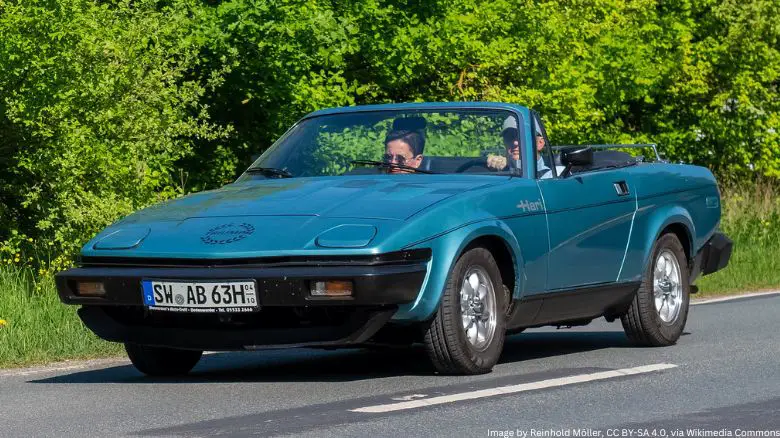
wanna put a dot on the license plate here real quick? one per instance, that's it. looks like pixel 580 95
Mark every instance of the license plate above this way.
pixel 200 296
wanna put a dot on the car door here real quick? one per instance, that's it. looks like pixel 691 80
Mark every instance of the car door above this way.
pixel 589 217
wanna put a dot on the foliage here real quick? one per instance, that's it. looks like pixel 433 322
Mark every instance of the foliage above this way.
pixel 110 105
pixel 97 103
pixel 599 71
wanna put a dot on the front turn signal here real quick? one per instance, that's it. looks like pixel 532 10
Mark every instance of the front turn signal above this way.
pixel 331 288
pixel 91 289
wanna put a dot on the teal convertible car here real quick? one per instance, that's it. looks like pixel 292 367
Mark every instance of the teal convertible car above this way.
pixel 446 224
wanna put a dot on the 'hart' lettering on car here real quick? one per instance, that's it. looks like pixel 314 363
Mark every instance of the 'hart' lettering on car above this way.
pixel 527 206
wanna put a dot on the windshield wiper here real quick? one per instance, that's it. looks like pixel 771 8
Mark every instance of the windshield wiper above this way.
pixel 270 171
pixel 390 166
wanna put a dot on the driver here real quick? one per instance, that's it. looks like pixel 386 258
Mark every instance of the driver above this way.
pixel 404 147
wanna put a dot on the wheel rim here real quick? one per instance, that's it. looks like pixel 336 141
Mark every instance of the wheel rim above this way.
pixel 667 286
pixel 478 308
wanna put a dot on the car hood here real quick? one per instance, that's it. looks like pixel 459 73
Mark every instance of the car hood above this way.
pixel 281 216
pixel 381 197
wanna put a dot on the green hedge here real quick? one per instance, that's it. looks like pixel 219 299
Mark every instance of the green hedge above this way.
pixel 109 105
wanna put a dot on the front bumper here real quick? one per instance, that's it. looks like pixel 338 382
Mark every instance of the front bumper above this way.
pixel 713 256
pixel 239 332
pixel 287 314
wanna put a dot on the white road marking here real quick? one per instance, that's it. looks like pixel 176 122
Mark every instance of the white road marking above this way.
pixel 732 297
pixel 409 397
pixel 512 389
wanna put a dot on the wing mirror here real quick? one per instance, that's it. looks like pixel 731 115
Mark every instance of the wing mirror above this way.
pixel 577 156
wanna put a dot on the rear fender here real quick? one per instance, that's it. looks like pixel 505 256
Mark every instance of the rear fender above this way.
pixel 649 231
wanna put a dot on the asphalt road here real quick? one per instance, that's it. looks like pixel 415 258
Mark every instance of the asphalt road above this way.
pixel 722 377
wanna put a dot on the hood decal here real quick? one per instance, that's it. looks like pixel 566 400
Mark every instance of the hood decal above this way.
pixel 227 233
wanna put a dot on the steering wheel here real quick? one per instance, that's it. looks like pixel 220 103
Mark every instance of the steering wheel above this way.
pixel 471 163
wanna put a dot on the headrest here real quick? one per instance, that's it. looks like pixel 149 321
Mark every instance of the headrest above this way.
pixel 414 123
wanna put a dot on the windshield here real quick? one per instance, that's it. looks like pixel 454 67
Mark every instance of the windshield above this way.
pixel 396 142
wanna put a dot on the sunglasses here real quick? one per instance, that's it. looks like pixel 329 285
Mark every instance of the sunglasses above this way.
pixel 396 158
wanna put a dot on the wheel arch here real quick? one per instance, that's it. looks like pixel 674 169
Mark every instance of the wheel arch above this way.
pixel 683 234
pixel 495 235
pixel 502 253
pixel 674 220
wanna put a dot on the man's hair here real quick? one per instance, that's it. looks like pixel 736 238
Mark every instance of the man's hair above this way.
pixel 414 139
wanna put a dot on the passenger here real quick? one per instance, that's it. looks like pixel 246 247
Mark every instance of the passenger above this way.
pixel 405 148
pixel 509 134
pixel 542 171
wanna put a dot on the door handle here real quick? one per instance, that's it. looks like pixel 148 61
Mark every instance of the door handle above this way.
pixel 621 188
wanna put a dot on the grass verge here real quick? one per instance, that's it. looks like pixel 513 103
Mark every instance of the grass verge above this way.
pixel 36 328
pixel 751 218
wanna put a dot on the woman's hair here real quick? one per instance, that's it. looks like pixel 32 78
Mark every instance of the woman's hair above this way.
pixel 414 139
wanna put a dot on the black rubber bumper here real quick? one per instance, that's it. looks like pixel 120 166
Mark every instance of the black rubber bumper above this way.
pixel 713 256
pixel 286 315
pixel 389 279
pixel 207 332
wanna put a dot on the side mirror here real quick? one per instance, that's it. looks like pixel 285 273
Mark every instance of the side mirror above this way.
pixel 577 156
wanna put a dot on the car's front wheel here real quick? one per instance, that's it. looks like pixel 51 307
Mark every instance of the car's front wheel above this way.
pixel 160 361
pixel 467 334
pixel 659 311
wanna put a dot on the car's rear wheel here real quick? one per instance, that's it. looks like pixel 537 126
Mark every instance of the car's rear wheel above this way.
pixel 659 311
pixel 160 361
pixel 467 334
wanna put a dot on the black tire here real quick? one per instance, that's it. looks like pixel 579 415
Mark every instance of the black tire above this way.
pixel 445 337
pixel 160 361
pixel 642 323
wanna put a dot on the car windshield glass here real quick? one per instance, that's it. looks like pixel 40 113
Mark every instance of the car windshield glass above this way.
pixel 371 142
